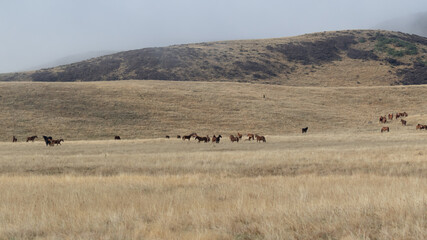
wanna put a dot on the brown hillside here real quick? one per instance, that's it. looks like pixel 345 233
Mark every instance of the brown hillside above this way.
pixel 343 58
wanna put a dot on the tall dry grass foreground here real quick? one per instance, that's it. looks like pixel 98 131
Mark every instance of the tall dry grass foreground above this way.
pixel 316 186
pixel 201 206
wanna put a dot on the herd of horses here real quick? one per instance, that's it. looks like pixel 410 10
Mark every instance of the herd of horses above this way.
pixel 389 117
pixel 217 139
pixel 48 140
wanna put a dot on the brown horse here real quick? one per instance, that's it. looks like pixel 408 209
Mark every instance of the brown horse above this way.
pixel 167 136
pixel 178 136
pixel 234 139
pixel 186 137
pixel 31 138
pixel 202 139
pixel 403 122
pixel 57 141
pixel 251 136
pixel 383 129
pixel 390 116
pixel 260 138
pixel 239 135
pixel 117 138
pixel 383 119
pixel 14 139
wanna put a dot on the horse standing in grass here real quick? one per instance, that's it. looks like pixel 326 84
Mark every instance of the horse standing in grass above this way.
pixel 31 138
pixel 304 130
pixel 234 139
pixel 251 136
pixel 260 138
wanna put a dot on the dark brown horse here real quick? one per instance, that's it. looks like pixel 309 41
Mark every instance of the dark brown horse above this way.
pixel 117 138
pixel 202 139
pixel 234 139
pixel 14 139
pixel 31 138
pixel 403 122
pixel 260 138
pixel 186 137
pixel 384 129
pixel 239 135
pixel 57 141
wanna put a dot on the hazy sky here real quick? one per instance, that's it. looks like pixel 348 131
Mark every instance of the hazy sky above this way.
pixel 34 32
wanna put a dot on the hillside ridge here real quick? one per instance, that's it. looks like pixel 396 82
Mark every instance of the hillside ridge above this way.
pixel 339 58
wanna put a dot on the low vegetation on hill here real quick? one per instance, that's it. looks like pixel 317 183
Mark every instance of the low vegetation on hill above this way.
pixel 343 58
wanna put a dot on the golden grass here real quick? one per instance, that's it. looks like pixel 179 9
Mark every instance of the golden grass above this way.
pixel 342 180
pixel 153 109
pixel 317 186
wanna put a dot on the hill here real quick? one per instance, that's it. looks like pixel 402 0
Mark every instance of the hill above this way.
pixel 343 58
pixel 153 109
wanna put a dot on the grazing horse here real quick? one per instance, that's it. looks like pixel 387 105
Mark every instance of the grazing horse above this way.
pixel 48 140
pixel 420 126
pixel 234 139
pixel 260 138
pixel 186 137
pixel 117 138
pixel 403 122
pixel 57 141
pixel 251 136
pixel 202 139
pixel 31 138
pixel 304 130
pixel 383 129
pixel 390 116
pixel 216 139
pixel 239 135
pixel 14 139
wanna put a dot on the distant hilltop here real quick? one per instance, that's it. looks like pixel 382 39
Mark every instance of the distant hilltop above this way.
pixel 341 58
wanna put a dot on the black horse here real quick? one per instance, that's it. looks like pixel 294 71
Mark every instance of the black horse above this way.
pixel 304 130
pixel 48 140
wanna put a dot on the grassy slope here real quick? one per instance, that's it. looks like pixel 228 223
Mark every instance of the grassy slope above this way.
pixel 150 109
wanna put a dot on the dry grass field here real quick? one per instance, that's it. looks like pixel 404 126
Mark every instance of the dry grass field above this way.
pixel 317 186
pixel 342 180
pixel 153 109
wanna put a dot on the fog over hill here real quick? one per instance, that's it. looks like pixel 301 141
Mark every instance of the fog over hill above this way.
pixel 70 59
pixel 414 24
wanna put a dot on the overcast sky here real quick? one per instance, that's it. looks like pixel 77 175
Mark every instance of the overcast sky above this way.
pixel 34 32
